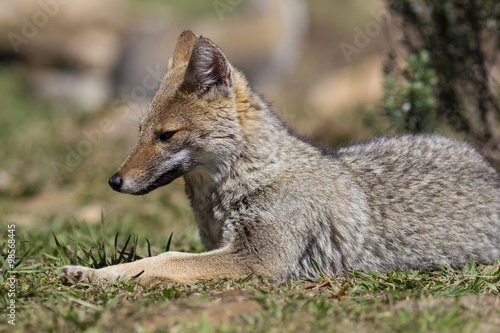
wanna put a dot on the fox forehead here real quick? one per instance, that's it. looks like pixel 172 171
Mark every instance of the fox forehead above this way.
pixel 175 108
pixel 166 105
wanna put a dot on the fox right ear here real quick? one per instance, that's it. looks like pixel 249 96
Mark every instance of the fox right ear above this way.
pixel 208 67
pixel 183 49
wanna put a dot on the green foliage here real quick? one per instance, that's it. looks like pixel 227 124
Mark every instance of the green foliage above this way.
pixel 95 255
pixel 462 40
pixel 409 103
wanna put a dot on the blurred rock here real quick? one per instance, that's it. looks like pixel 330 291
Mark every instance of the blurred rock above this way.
pixel 69 47
pixel 78 49
pixel 45 27
pixel 83 89
pixel 348 87
pixel 94 49
pixel 146 48
pixel 262 38
pixel 265 40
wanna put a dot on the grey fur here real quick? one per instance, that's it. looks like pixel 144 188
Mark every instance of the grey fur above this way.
pixel 267 202
pixel 392 202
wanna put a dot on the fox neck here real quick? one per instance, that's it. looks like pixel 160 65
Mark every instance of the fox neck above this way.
pixel 263 150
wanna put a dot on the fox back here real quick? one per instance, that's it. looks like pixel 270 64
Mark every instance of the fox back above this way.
pixel 279 202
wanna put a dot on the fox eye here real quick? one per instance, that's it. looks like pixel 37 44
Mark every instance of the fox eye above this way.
pixel 165 136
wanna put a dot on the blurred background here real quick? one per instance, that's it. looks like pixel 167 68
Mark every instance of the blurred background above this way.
pixel 76 77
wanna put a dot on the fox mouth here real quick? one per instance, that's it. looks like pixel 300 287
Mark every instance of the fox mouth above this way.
pixel 161 173
pixel 163 180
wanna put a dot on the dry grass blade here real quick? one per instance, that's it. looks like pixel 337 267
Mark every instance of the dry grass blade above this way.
pixel 340 293
pixel 323 284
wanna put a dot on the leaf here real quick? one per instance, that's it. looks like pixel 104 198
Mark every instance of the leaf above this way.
pixel 149 248
pixel 169 242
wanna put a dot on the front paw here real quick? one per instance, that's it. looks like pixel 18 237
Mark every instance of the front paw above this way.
pixel 77 274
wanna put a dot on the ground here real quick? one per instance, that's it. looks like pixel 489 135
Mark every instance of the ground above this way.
pixel 449 300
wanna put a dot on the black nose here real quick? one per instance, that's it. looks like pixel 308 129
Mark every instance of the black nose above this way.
pixel 116 182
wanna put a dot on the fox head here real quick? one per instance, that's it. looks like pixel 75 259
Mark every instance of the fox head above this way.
pixel 192 124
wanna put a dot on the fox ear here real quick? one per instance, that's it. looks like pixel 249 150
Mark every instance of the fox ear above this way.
pixel 208 67
pixel 183 49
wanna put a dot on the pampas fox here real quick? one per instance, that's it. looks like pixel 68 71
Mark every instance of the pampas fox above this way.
pixel 269 203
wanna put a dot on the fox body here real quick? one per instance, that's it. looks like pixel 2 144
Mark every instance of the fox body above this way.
pixel 268 203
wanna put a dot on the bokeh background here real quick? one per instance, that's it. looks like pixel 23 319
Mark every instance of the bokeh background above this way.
pixel 76 77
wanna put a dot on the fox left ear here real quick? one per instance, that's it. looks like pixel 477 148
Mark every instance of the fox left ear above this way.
pixel 208 67
pixel 182 52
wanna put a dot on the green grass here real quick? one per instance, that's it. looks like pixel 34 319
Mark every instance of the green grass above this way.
pixel 448 300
